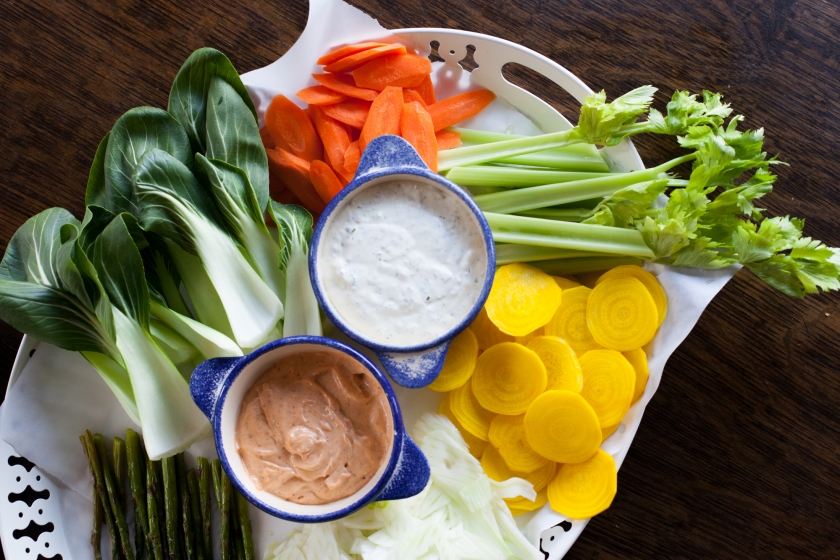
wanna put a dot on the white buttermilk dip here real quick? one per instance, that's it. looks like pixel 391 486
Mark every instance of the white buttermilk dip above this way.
pixel 402 262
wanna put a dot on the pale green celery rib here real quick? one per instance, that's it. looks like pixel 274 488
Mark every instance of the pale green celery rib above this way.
pixel 508 253
pixel 530 198
pixel 513 177
pixel 469 136
pixel 566 235
pixel 547 158
pixel 480 190
pixel 483 153
pixel 565 267
pixel 559 214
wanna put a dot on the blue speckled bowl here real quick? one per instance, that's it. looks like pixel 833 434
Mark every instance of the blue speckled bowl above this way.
pixel 218 387
pixel 387 158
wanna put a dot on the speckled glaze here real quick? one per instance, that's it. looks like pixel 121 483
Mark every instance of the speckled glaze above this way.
pixel 217 386
pixel 391 157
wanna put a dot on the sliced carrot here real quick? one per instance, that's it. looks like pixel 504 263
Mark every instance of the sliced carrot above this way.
pixel 352 112
pixel 320 95
pixel 417 128
pixel 411 95
pixel 344 83
pixel 455 109
pixel 334 136
pixel 447 139
pixel 405 70
pixel 349 63
pixel 267 140
pixel 291 129
pixel 348 50
pixel 294 172
pixel 352 157
pixel 324 180
pixel 427 90
pixel 384 117
pixel 355 133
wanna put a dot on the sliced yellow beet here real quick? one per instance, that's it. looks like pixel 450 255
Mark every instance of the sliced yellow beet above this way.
pixel 585 489
pixel 507 435
pixel 608 384
pixel 621 314
pixel 566 282
pixel 472 417
pixel 561 364
pixel 486 332
pixel 522 299
pixel 476 445
pixel 494 467
pixel 608 431
pixel 563 427
pixel 530 336
pixel 459 363
pixel 649 280
pixel 638 359
pixel 507 378
pixel 569 322
pixel 521 505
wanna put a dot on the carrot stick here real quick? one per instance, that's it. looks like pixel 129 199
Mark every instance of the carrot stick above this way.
pixel 418 130
pixel 291 129
pixel 353 61
pixel 352 157
pixel 344 83
pixel 405 70
pixel 294 172
pixel 335 137
pixel 267 140
pixel 427 91
pixel 411 95
pixel 447 139
pixel 384 117
pixel 320 95
pixel 459 107
pixel 352 112
pixel 348 50
pixel 324 180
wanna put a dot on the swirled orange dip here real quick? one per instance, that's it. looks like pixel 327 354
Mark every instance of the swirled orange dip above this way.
pixel 314 428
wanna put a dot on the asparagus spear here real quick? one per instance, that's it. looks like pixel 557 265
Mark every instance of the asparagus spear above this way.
pixel 99 511
pixel 195 510
pixel 245 526
pixel 170 497
pixel 137 479
pixel 113 498
pixel 118 450
pixel 186 507
pixel 205 481
pixel 238 548
pixel 153 503
pixel 223 498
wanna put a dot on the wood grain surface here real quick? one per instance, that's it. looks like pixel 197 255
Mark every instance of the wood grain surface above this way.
pixel 737 456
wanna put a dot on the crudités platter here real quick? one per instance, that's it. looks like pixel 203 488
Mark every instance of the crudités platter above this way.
pixel 688 290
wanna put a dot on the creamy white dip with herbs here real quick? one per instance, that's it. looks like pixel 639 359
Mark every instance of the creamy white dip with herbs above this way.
pixel 402 262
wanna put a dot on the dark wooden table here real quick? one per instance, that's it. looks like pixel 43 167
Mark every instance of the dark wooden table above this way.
pixel 737 456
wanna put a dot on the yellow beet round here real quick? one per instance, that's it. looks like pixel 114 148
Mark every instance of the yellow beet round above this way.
pixel 621 314
pixel 459 363
pixel 563 427
pixel 566 283
pixel 507 378
pixel 486 332
pixel 608 431
pixel 638 359
pixel 561 364
pixel 608 384
pixel 520 505
pixel 647 279
pixel 494 467
pixel 585 489
pixel 473 418
pixel 522 299
pixel 476 445
pixel 569 322
pixel 507 435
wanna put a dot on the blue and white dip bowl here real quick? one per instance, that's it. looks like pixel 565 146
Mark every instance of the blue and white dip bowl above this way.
pixel 401 261
pixel 219 387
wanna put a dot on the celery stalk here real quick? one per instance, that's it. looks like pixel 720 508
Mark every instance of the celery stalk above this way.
pixel 481 175
pixel 469 136
pixel 482 153
pixel 565 235
pixel 560 214
pixel 507 253
pixel 563 267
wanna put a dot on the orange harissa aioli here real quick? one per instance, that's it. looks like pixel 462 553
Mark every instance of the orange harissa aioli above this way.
pixel 314 428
